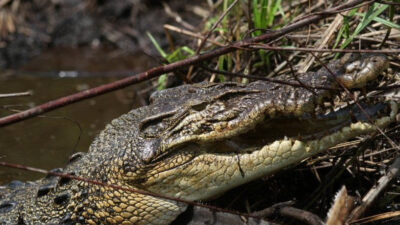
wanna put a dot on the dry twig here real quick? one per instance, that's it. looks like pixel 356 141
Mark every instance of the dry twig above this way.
pixel 170 67
pixel 375 191
pixel 17 94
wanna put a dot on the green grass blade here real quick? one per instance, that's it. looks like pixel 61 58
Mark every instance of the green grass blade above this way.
pixel 156 45
pixel 260 14
pixel 372 13
pixel 344 29
pixel 385 22
pixel 161 82
pixel 275 4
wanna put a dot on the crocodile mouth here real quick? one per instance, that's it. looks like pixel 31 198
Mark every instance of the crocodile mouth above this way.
pixel 305 128
pixel 217 166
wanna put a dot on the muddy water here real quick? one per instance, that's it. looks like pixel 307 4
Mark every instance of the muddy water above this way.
pixel 88 62
pixel 47 141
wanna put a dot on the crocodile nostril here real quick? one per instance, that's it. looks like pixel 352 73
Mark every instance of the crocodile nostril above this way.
pixel 7 206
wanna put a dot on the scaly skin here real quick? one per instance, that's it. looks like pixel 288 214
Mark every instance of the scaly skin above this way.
pixel 187 143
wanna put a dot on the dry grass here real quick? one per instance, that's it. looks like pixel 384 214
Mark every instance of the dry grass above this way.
pixel 359 163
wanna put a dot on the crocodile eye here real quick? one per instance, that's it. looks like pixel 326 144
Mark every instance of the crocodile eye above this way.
pixel 200 107
pixel 152 127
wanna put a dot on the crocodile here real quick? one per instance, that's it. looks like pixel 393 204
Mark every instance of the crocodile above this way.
pixel 195 142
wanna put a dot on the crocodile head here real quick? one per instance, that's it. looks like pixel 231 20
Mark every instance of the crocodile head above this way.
pixel 229 134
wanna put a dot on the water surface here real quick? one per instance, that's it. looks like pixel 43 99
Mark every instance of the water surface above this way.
pixel 47 141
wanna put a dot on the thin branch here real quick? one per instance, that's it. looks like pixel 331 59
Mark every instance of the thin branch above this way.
pixel 156 71
pixel 117 187
pixel 176 16
pixel 190 34
pixel 281 208
pixel 203 41
pixel 377 217
pixel 375 191
pixel 293 84
pixel 297 78
pixel 338 10
pixel 302 215
pixel 268 47
pixel 285 209
pixel 17 94
pixel 389 29
pixel 387 2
